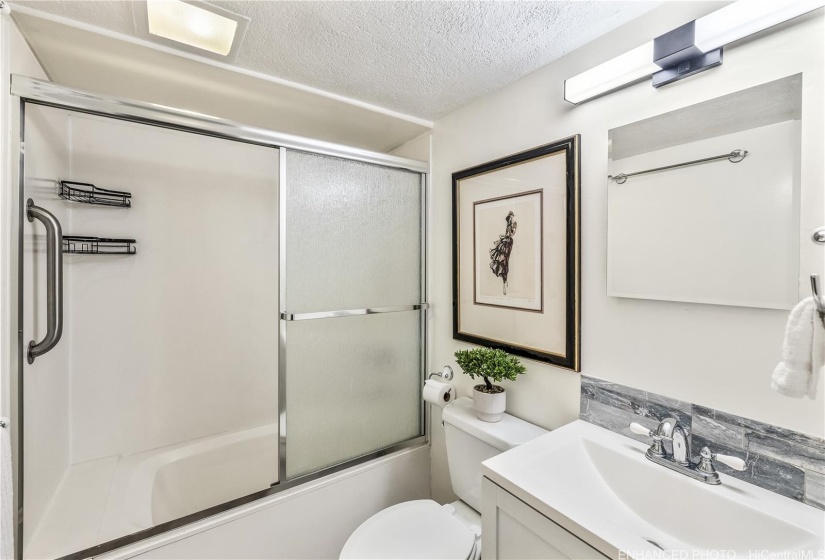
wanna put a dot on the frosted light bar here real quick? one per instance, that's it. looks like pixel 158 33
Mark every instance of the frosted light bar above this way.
pixel 710 33
pixel 191 25
pixel 746 17
pixel 617 72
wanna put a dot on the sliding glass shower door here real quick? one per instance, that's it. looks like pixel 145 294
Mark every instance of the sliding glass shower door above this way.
pixel 351 310
pixel 159 400
pixel 214 317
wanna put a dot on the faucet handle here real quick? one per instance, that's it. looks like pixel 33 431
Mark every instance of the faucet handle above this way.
pixel 706 465
pixel 735 463
pixel 656 448
pixel 640 430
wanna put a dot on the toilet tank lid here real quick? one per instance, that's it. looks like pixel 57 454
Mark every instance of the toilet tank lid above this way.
pixel 504 435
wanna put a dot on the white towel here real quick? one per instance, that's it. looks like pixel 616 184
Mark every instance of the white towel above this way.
pixel 818 355
pixel 6 496
pixel 803 353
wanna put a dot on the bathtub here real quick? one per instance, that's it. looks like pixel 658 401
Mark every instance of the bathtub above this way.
pixel 120 495
pixel 171 482
pixel 305 522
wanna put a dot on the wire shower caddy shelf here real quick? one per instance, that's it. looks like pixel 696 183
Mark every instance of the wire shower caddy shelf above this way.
pixel 88 245
pixel 90 194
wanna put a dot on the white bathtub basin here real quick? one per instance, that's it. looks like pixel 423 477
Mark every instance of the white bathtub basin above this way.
pixel 169 483
pixel 600 486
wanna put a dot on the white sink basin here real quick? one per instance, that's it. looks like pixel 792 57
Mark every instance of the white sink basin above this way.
pixel 599 486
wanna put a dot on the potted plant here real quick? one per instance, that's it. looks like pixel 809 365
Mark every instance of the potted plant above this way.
pixel 491 365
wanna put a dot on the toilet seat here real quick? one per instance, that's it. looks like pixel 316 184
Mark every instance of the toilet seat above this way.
pixel 420 529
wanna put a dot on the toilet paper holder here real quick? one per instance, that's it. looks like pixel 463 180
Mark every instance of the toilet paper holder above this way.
pixel 446 373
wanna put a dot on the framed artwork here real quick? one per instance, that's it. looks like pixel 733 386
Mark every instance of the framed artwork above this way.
pixel 516 263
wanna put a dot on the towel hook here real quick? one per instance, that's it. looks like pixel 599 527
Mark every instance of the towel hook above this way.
pixel 820 304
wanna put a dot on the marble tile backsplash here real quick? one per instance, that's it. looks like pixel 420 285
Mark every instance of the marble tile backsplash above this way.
pixel 782 461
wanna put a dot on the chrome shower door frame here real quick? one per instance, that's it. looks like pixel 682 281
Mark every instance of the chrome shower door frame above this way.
pixel 39 92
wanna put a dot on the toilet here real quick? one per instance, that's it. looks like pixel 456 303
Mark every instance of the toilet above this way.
pixel 424 529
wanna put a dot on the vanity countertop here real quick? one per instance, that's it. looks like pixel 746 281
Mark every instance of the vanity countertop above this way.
pixel 599 486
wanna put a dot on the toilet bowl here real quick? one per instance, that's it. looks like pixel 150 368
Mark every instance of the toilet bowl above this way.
pixel 416 529
pixel 425 529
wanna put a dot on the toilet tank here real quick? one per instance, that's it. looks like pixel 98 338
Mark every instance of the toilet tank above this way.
pixel 471 441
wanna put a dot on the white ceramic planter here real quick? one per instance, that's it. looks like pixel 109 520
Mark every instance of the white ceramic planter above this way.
pixel 489 406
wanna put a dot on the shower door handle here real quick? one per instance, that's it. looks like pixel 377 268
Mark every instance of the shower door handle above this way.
pixel 54 280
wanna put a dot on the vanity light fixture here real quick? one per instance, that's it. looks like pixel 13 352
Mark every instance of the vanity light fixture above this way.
pixel 625 69
pixel 191 25
pixel 686 50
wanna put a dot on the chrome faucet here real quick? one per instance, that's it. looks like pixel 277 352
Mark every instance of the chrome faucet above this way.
pixel 671 448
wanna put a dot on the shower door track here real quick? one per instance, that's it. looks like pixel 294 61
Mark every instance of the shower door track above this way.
pixel 41 92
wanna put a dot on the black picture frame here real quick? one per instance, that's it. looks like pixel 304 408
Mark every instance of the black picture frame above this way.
pixel 572 309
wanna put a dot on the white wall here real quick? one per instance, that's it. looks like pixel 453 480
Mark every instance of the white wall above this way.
pixel 714 355
pixel 311 522
pixel 417 148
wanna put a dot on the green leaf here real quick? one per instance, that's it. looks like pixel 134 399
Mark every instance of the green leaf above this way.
pixel 489 363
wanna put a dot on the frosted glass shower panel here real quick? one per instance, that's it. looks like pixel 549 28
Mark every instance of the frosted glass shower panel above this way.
pixel 353 386
pixel 353 234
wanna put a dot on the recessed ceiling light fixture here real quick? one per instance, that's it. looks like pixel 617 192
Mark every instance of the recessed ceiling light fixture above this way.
pixel 686 50
pixel 191 25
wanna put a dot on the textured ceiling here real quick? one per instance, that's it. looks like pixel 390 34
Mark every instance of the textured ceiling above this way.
pixel 422 58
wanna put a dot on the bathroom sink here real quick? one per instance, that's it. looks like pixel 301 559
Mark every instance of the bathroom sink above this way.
pixel 599 486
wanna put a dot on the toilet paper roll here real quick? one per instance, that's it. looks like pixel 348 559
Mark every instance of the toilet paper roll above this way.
pixel 438 393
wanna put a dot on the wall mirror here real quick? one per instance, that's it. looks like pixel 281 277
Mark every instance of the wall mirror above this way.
pixel 703 202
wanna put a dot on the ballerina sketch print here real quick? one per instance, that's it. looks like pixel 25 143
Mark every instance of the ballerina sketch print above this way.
pixel 508 243
pixel 500 253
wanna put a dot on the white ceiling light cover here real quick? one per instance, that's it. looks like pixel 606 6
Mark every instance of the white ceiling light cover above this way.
pixel 191 25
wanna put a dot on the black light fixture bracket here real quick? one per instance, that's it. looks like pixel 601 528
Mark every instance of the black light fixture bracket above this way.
pixel 677 55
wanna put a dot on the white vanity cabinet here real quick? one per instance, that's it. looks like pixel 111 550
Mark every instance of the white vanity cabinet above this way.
pixel 513 530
